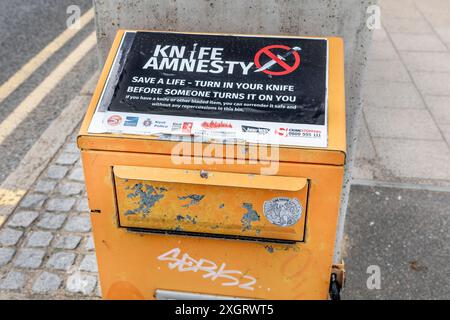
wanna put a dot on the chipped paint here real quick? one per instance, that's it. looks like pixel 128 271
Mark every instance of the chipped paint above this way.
pixel 187 218
pixel 147 195
pixel 191 219
pixel 195 199
pixel 250 216
pixel 281 247
pixel 198 209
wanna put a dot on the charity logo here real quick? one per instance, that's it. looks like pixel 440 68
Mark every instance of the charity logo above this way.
pixel 306 133
pixel 176 126
pixel 187 127
pixel 277 60
pixel 131 121
pixel 298 133
pixel 250 129
pixel 216 125
pixel 282 211
pixel 282 132
pixel 147 122
pixel 114 120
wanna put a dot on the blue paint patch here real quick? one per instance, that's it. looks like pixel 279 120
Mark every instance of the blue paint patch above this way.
pixel 195 199
pixel 147 195
pixel 250 216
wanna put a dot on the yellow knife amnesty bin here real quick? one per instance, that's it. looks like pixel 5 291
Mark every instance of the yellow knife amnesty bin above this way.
pixel 212 226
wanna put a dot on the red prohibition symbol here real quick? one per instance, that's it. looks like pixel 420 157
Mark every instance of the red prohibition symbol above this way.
pixel 276 59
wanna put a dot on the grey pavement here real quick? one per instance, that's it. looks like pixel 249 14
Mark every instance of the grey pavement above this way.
pixel 405 137
pixel 404 142
pixel 404 232
pixel 46 247
pixel 26 27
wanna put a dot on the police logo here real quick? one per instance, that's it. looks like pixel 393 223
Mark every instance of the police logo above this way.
pixel 283 212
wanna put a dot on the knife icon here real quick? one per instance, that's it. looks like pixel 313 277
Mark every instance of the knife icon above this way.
pixel 283 57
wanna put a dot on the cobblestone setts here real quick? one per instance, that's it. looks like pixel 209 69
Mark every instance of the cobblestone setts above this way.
pixel 46 247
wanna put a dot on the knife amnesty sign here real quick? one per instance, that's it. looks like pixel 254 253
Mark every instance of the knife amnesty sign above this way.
pixel 256 89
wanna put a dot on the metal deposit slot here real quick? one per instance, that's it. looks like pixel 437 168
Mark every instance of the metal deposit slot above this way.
pixel 218 204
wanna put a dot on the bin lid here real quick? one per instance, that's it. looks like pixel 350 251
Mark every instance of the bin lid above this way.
pixel 250 93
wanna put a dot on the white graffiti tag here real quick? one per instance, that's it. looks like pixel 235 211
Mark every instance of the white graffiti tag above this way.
pixel 186 263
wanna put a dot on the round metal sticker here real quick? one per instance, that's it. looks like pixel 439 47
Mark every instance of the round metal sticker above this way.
pixel 283 212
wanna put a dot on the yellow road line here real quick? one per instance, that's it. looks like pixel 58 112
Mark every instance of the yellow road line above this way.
pixel 10 197
pixel 45 87
pixel 38 60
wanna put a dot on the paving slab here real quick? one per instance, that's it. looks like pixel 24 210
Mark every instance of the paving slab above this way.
pixel 379 34
pixel 416 25
pixel 365 148
pixel 402 123
pixel 23 218
pixel 419 80
pixel 399 9
pixel 417 42
pixel 433 6
pixel 446 132
pixel 46 283
pixel 444 34
pixel 420 159
pixel 406 233
pixel 432 83
pixel 363 170
pixel 440 108
pixel 382 50
pixel 391 94
pixel 427 61
pixel 386 70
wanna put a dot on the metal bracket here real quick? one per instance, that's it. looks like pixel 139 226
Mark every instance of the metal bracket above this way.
pixel 337 280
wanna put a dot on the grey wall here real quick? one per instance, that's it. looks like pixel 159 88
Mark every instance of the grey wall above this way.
pixel 344 18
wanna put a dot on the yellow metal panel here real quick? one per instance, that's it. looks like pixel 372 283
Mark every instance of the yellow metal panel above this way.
pixel 135 265
pixel 211 178
pixel 226 204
